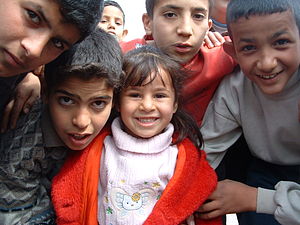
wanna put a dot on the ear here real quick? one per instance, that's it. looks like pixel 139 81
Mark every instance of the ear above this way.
pixel 175 107
pixel 229 49
pixel 124 34
pixel 147 21
pixel 209 24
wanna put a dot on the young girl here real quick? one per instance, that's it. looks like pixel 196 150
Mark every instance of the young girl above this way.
pixel 152 170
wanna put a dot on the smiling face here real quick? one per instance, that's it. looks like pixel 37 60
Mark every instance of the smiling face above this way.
pixel 147 110
pixel 32 33
pixel 79 110
pixel 112 22
pixel 178 27
pixel 267 49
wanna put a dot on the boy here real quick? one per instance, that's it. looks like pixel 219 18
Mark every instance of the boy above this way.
pixel 34 33
pixel 113 20
pixel 260 101
pixel 178 28
pixel 79 93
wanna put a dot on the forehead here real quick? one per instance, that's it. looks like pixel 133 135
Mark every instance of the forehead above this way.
pixel 161 78
pixel 264 26
pixel 78 85
pixel 182 4
pixel 112 11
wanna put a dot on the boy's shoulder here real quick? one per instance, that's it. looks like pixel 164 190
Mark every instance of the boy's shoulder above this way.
pixel 135 43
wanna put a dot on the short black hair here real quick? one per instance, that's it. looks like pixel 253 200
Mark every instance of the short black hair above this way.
pixel 115 4
pixel 237 9
pixel 84 14
pixel 98 55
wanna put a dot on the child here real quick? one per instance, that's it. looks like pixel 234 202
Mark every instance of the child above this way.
pixel 34 34
pixel 261 101
pixel 80 86
pixel 113 20
pixel 139 183
pixel 178 29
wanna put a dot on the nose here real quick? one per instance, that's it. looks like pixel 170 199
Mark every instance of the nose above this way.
pixel 81 118
pixel 185 26
pixel 147 104
pixel 111 24
pixel 267 62
pixel 35 44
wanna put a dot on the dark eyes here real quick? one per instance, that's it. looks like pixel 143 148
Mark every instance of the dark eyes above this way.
pixel 65 100
pixel 99 104
pixel 58 43
pixel 248 48
pixel 33 16
pixel 169 15
pixel 281 42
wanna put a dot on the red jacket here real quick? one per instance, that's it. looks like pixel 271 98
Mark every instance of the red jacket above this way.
pixel 207 70
pixel 75 194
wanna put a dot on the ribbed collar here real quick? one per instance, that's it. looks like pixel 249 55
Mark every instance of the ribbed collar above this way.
pixel 129 143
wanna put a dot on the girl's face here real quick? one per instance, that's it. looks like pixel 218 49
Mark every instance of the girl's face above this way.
pixel 147 110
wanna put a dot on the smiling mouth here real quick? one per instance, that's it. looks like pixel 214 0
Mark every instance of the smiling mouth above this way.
pixel 269 76
pixel 147 120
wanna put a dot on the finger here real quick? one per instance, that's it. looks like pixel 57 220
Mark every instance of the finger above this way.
pixel 219 37
pixel 210 215
pixel 209 206
pixel 213 38
pixel 208 43
pixel 30 101
pixel 6 116
pixel 16 111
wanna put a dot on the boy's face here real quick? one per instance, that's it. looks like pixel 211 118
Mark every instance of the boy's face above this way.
pixel 32 33
pixel 267 49
pixel 112 22
pixel 147 110
pixel 178 27
pixel 79 109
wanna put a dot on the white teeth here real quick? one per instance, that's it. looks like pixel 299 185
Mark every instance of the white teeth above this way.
pixel 146 120
pixel 267 76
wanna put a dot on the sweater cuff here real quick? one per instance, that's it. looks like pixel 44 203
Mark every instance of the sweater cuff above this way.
pixel 265 201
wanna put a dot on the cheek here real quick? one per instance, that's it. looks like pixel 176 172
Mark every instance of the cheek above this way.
pixel 99 121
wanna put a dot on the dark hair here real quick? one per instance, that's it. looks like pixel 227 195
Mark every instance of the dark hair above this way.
pixel 151 3
pixel 98 55
pixel 147 61
pixel 117 5
pixel 237 9
pixel 84 14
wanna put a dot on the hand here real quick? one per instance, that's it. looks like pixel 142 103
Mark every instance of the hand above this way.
pixel 213 39
pixel 229 197
pixel 26 93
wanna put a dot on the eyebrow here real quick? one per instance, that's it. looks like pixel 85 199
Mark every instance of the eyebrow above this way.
pixel 59 91
pixel 274 36
pixel 198 9
pixel 278 34
pixel 247 40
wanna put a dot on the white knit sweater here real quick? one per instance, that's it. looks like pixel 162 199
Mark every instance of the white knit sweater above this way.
pixel 133 174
